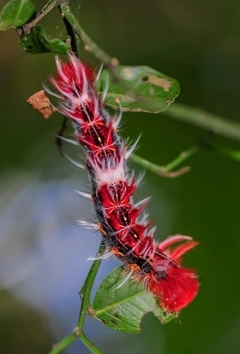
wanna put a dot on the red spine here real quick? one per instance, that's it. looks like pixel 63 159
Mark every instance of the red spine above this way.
pixel 124 231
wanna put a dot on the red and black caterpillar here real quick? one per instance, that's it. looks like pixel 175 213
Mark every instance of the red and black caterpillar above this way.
pixel 124 231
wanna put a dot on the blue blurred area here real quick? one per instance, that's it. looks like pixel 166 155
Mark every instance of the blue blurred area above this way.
pixel 43 253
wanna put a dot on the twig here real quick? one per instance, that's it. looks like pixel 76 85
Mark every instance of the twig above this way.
pixel 51 4
pixel 177 173
pixel 64 343
pixel 181 158
pixel 92 347
pixel 71 33
pixel 166 171
pixel 84 293
pixel 90 46
pixel 205 120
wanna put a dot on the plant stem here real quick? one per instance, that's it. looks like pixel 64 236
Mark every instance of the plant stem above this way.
pixel 45 10
pixel 65 342
pixel 72 34
pixel 85 292
pixel 205 120
pixel 181 158
pixel 90 45
pixel 93 349
pixel 166 171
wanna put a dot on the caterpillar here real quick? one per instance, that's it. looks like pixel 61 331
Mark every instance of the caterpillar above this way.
pixel 125 232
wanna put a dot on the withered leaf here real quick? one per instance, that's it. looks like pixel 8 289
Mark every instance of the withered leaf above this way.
pixel 41 103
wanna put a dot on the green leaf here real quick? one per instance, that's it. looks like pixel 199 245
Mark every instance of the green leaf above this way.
pixel 122 309
pixel 16 13
pixel 143 90
pixel 37 41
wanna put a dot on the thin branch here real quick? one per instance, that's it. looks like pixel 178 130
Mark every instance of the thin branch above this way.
pixel 64 343
pixel 51 4
pixel 90 45
pixel 92 347
pixel 71 33
pixel 85 292
pixel 181 158
pixel 167 170
pixel 178 173
pixel 205 120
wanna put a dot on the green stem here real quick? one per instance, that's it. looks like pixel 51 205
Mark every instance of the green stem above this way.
pixel 93 349
pixel 166 171
pixel 85 292
pixel 205 120
pixel 72 34
pixel 181 158
pixel 64 343
pixel 147 164
pixel 45 10
pixel 90 45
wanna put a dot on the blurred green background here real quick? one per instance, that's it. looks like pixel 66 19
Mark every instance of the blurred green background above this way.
pixel 43 254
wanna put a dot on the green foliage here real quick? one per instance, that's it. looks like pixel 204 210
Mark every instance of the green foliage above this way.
pixel 16 13
pixel 145 89
pixel 37 41
pixel 122 308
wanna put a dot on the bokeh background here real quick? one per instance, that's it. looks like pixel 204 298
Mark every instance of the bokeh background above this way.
pixel 43 253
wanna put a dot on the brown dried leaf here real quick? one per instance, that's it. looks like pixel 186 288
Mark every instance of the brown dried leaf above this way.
pixel 41 103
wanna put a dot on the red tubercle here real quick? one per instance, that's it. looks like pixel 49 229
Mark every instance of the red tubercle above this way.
pixel 72 71
pixel 177 290
pixel 179 251
pixel 171 240
pixel 176 253
pixel 90 73
pixel 175 285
